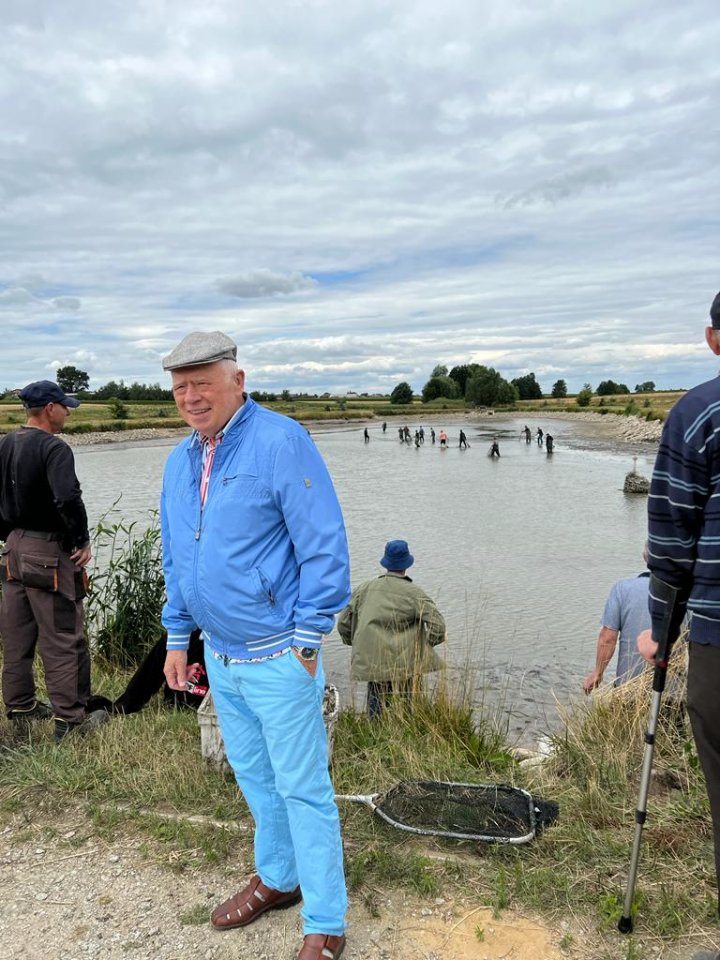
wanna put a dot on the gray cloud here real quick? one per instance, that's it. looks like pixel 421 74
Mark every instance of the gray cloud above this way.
pixel 16 296
pixel 67 303
pixel 560 188
pixel 264 283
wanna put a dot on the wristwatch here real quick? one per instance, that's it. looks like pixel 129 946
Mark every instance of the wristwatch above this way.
pixel 308 653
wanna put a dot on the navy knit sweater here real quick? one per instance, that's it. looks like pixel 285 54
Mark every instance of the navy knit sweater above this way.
pixel 684 512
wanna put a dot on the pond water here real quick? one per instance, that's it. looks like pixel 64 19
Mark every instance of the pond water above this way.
pixel 519 553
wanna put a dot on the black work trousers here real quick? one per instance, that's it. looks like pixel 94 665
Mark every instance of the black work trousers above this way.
pixel 380 692
pixel 42 593
pixel 704 711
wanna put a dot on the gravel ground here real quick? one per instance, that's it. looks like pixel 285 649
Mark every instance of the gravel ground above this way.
pixel 77 897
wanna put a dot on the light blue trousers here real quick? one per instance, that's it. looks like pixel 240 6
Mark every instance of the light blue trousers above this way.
pixel 270 716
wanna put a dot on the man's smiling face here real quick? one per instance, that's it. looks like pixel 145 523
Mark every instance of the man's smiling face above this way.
pixel 207 395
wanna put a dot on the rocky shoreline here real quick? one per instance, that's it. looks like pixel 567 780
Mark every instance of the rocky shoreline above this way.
pixel 124 436
pixel 628 428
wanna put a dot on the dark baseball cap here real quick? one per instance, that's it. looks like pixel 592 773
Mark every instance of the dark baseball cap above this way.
pixel 715 312
pixel 41 392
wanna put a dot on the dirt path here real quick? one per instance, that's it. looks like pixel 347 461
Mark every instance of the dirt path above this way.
pixel 69 897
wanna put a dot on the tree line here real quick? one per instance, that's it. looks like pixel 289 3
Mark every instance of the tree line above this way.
pixel 481 386
pixel 477 385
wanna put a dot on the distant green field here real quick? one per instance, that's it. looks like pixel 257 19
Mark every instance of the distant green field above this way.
pixel 92 416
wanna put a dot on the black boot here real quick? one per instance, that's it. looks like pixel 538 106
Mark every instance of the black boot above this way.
pixel 40 710
pixel 91 722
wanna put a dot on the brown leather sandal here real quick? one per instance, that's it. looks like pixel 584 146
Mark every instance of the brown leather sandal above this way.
pixel 320 946
pixel 250 903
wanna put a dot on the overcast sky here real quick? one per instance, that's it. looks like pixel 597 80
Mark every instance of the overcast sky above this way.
pixel 358 190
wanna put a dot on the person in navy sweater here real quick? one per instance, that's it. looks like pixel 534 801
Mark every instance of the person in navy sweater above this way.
pixel 684 551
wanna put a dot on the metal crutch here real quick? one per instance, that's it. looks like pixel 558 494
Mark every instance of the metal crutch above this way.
pixel 660 592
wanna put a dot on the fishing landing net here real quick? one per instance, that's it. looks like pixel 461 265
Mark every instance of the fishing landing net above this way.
pixel 463 811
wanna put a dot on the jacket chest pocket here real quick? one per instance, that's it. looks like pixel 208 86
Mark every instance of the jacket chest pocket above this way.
pixel 243 487
pixel 39 572
pixel 243 500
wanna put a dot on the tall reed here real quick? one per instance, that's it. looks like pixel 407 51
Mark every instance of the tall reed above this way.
pixel 127 591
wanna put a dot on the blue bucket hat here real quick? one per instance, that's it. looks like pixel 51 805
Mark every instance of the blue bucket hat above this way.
pixel 397 555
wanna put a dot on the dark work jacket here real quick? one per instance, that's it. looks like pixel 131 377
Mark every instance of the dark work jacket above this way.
pixel 39 489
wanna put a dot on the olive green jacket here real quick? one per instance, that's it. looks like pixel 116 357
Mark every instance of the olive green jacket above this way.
pixel 392 626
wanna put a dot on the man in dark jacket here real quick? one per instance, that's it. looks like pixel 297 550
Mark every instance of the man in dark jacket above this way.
pixel 684 551
pixel 44 524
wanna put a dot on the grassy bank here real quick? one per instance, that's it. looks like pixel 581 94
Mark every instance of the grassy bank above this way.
pixel 93 417
pixel 650 406
pixel 131 773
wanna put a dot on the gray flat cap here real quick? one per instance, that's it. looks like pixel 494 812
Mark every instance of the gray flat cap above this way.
pixel 200 347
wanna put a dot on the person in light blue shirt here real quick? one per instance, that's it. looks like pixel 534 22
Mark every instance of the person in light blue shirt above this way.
pixel 625 616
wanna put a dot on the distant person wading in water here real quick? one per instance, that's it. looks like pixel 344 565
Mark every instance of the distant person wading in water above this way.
pixel 549 443
pixel 443 438
pixel 463 440
pixel 539 437
pixel 494 448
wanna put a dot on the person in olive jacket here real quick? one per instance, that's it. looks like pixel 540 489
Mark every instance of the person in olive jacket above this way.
pixel 392 626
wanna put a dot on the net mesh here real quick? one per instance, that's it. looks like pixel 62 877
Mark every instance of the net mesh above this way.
pixel 471 810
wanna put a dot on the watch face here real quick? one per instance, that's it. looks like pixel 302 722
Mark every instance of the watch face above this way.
pixel 309 653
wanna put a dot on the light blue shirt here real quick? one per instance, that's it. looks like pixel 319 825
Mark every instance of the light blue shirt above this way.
pixel 627 611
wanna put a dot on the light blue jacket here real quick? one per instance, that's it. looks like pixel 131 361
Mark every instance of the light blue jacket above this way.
pixel 265 564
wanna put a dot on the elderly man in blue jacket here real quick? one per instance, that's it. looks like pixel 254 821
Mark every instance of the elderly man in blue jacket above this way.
pixel 255 555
